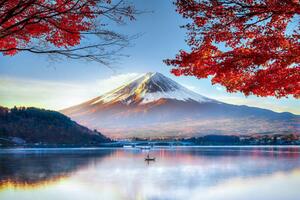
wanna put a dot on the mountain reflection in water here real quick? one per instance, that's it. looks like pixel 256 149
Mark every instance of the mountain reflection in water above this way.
pixel 178 173
pixel 35 167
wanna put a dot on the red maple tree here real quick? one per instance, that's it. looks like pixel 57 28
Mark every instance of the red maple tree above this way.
pixel 248 46
pixel 59 26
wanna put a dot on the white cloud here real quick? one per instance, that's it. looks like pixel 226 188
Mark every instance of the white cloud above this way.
pixel 106 85
pixel 190 87
pixel 58 95
pixel 55 95
pixel 46 94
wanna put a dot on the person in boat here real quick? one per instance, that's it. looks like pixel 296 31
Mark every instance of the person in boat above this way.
pixel 148 158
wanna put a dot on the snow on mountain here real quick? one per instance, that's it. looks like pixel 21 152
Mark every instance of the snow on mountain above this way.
pixel 148 88
pixel 153 105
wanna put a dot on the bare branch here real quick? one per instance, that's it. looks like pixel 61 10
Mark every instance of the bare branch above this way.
pixel 19 18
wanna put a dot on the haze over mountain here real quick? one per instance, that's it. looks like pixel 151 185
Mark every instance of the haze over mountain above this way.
pixel 153 106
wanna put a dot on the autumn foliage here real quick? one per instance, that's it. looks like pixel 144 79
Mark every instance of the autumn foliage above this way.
pixel 248 46
pixel 59 26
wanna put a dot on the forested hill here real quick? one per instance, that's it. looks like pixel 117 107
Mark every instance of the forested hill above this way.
pixel 44 127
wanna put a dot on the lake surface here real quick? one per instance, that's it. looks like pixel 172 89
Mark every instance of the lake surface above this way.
pixel 206 173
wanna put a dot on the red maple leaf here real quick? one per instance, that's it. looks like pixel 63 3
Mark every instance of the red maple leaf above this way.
pixel 57 26
pixel 248 46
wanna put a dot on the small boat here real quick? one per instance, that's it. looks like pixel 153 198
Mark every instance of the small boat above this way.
pixel 148 158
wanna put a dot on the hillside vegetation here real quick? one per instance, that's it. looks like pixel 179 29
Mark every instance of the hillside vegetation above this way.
pixel 38 126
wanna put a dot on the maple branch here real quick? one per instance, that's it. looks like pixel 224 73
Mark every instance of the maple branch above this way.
pixel 261 53
pixel 17 19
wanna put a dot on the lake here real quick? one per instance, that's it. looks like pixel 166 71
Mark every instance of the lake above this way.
pixel 206 173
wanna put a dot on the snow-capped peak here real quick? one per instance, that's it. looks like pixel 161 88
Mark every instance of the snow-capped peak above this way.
pixel 148 88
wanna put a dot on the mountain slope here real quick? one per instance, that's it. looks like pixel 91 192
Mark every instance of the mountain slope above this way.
pixel 153 105
pixel 32 125
pixel 148 88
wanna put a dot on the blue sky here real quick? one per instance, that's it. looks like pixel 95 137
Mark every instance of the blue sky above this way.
pixel 34 80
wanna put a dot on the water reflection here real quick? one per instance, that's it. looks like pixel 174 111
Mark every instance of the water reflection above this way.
pixel 32 168
pixel 178 173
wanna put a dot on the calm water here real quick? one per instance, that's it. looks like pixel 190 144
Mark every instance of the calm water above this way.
pixel 178 173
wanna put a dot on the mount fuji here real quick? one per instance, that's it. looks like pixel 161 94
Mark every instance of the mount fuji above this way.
pixel 154 106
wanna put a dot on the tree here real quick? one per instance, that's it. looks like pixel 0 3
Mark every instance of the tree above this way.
pixel 248 46
pixel 72 28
